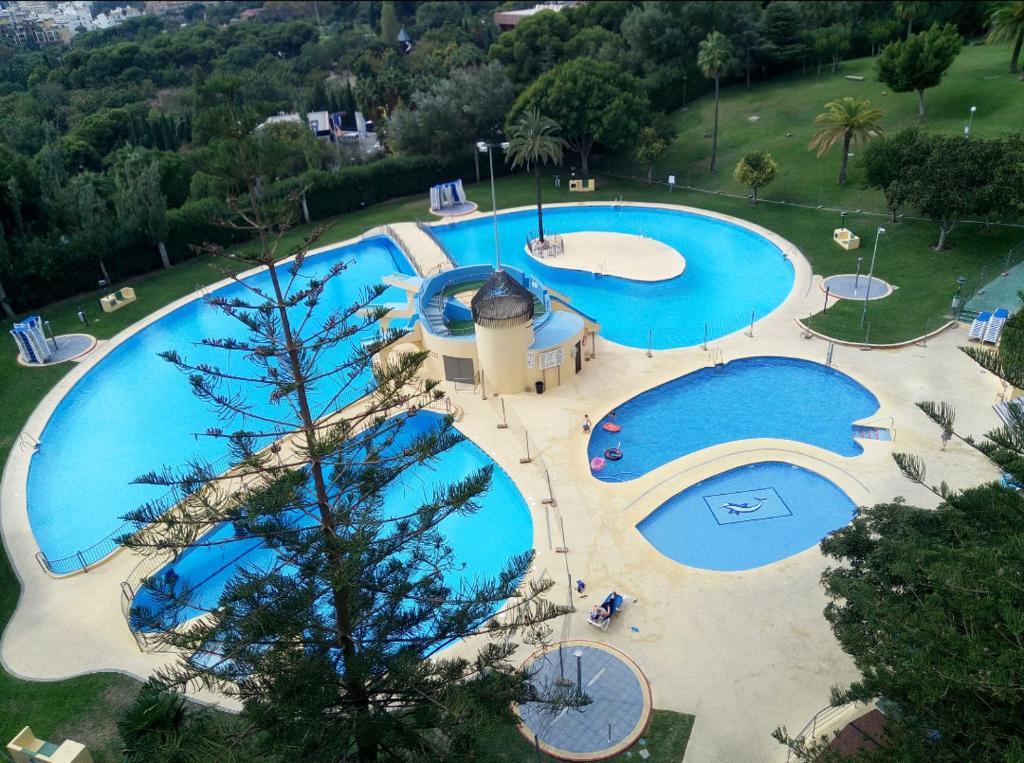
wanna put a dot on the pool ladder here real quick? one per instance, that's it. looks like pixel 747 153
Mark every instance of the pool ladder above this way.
pixel 715 357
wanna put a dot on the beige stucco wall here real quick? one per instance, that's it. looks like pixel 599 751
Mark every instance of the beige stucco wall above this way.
pixel 502 355
pixel 563 374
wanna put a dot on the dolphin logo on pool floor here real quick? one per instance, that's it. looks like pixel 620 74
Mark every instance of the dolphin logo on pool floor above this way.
pixel 744 508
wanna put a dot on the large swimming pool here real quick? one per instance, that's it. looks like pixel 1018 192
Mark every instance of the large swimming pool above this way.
pixel 134 412
pixel 784 398
pixel 503 518
pixel 747 517
pixel 730 271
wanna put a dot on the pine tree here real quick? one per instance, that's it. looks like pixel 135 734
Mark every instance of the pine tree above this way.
pixel 327 645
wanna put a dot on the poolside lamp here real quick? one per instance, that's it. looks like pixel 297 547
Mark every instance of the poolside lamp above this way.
pixel 871 273
pixel 488 148
pixel 970 121
pixel 957 301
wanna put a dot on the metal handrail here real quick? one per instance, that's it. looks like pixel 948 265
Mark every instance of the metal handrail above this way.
pixel 429 230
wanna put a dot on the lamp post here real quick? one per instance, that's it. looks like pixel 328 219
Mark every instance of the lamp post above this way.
pixel 957 300
pixel 871 273
pixel 970 121
pixel 488 148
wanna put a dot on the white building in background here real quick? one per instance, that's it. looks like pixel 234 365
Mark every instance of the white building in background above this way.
pixel 115 17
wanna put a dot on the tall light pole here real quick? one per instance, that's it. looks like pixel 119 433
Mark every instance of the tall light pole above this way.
pixel 958 304
pixel 488 148
pixel 871 272
pixel 970 121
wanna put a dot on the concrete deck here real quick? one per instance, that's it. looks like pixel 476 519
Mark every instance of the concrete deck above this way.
pixel 624 255
pixel 743 651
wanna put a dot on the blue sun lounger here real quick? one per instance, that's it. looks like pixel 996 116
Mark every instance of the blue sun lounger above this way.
pixel 978 327
pixel 615 602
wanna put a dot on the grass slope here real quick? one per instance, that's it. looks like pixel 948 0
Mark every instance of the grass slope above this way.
pixel 789 104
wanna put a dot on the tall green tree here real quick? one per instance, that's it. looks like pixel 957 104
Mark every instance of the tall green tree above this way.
pixel 138 199
pixel 715 59
pixel 1006 24
pixel 388 23
pixel 534 141
pixel 888 162
pixel 88 215
pixel 650 146
pixel 592 101
pixel 331 646
pixel 920 61
pixel 756 170
pixel 847 120
pixel 450 117
pixel 956 178
pixel 929 606
pixel 909 11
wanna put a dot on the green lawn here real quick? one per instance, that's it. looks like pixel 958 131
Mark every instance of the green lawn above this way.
pixel 665 739
pixel 87 706
pixel 789 104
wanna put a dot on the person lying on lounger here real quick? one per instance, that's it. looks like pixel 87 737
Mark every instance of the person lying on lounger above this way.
pixel 605 610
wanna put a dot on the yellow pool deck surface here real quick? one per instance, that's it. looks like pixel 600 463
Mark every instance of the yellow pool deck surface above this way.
pixel 742 651
pixel 624 255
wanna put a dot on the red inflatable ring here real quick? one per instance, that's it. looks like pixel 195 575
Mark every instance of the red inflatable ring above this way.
pixel 608 426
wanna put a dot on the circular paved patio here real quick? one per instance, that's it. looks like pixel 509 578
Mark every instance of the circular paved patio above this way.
pixel 851 286
pixel 618 713
pixel 455 210
pixel 69 347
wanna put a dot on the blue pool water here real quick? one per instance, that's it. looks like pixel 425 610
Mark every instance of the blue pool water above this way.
pixel 747 517
pixel 503 518
pixel 730 271
pixel 134 412
pixel 784 398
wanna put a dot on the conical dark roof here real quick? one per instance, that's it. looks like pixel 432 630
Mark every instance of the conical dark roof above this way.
pixel 502 302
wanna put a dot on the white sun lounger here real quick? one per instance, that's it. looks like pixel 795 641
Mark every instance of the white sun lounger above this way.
pixel 978 327
pixel 995 325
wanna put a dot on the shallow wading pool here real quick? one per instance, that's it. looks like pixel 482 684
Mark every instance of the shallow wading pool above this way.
pixel 747 517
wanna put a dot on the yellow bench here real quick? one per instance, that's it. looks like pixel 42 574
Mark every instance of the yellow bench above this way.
pixel 581 185
pixel 117 300
pixel 845 238
pixel 26 748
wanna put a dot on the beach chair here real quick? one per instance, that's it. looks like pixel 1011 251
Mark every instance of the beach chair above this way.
pixel 995 326
pixel 617 602
pixel 978 327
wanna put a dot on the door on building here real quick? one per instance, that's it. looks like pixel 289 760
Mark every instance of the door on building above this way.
pixel 579 358
pixel 459 370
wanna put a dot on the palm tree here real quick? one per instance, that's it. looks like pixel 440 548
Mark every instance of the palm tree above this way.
pixel 908 10
pixel 848 119
pixel 532 142
pixel 1006 24
pixel 715 59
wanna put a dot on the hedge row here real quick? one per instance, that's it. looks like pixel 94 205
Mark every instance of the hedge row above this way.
pixel 329 194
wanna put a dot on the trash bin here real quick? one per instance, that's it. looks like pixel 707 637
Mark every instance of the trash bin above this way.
pixel 540 387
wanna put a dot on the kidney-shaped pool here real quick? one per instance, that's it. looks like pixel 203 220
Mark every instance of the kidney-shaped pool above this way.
pixel 784 398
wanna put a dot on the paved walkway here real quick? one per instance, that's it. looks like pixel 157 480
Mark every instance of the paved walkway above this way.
pixel 743 651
